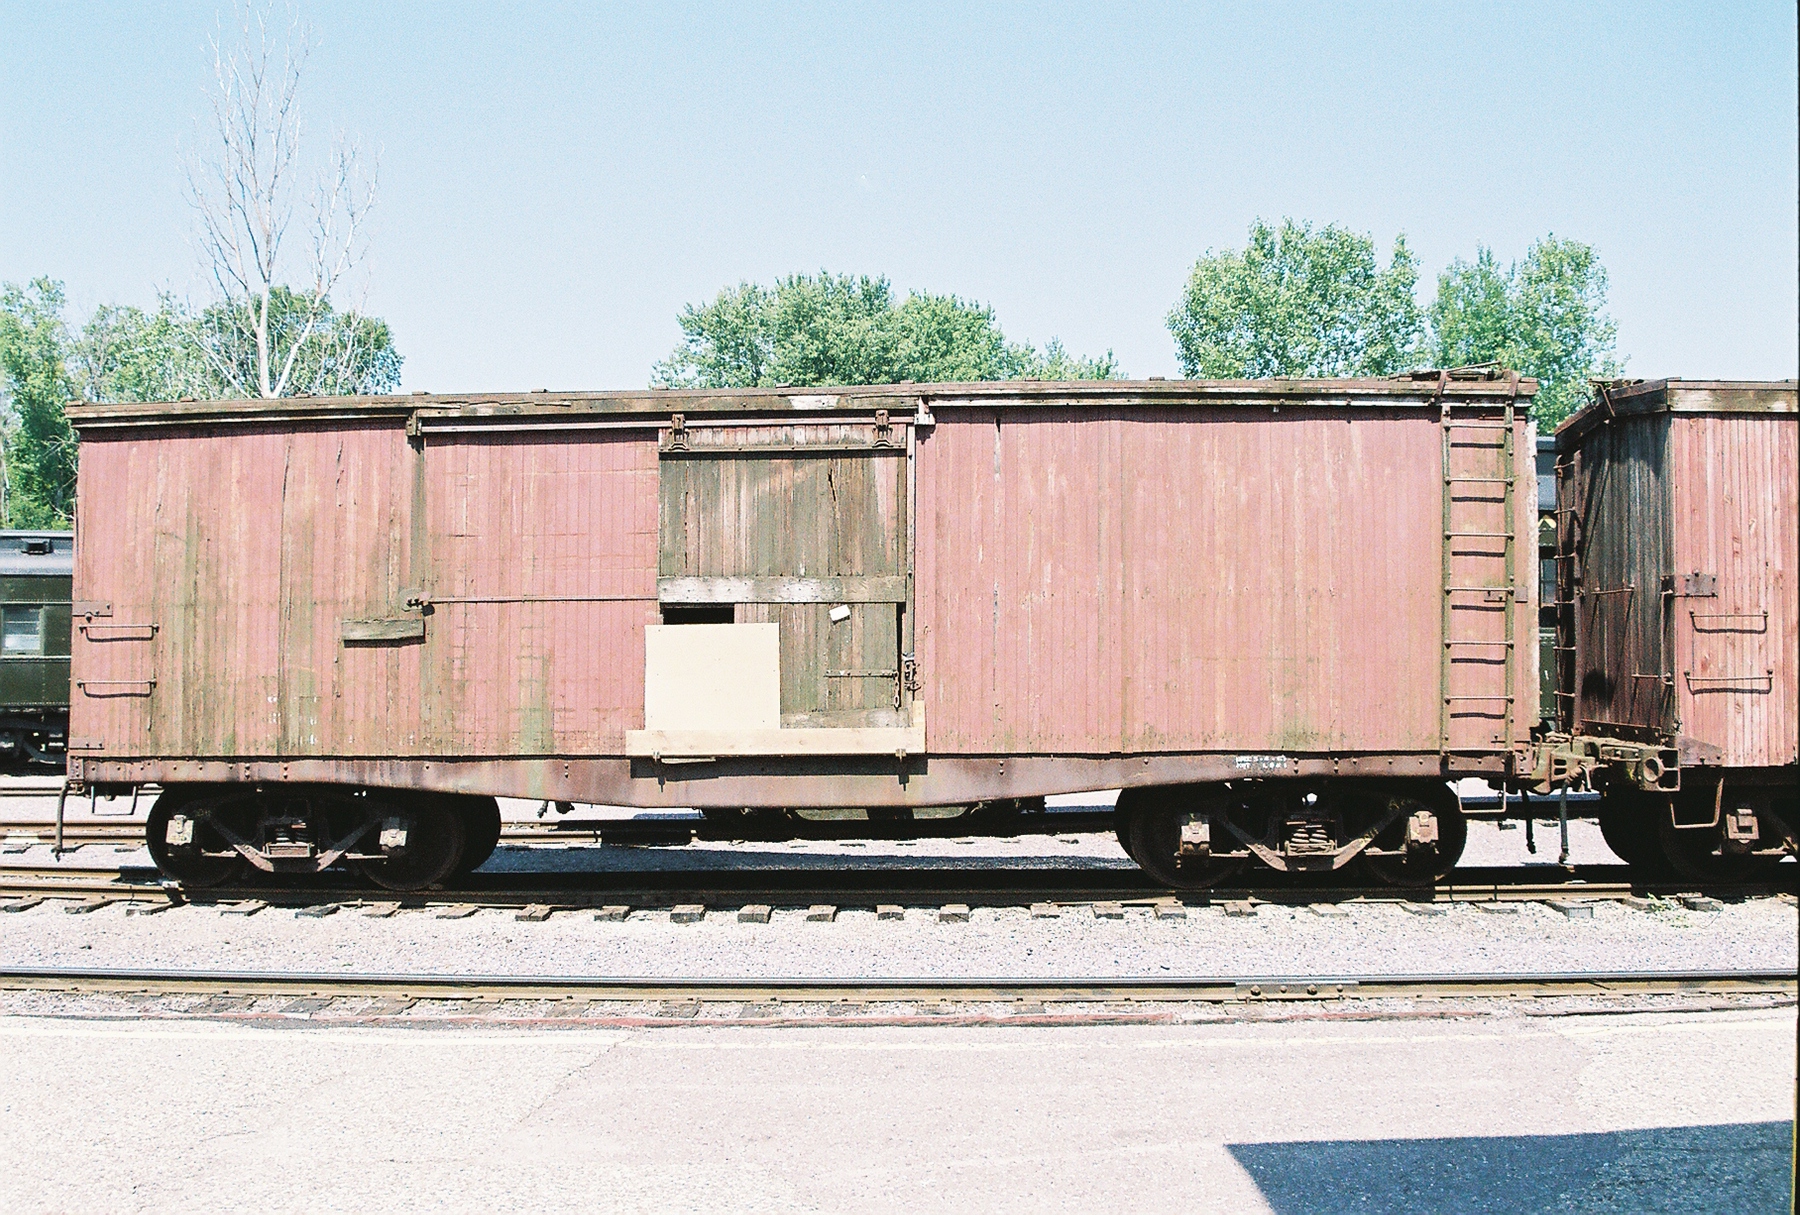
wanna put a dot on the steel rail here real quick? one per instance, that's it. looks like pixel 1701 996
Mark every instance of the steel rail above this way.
pixel 749 989
pixel 733 888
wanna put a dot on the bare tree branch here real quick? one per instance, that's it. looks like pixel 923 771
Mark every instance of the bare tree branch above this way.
pixel 244 194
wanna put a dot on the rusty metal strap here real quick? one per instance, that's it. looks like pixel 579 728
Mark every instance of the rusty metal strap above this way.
pixel 1754 622
pixel 116 687
pixel 117 632
pixel 1698 684
pixel 435 600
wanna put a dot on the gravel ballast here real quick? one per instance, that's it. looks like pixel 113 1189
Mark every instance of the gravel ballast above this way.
pixel 1351 938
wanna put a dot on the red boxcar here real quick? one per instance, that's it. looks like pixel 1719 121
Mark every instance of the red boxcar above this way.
pixel 905 596
pixel 1679 509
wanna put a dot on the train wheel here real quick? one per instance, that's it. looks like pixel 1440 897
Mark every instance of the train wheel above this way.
pixel 1122 824
pixel 1155 834
pixel 1709 853
pixel 1125 812
pixel 1628 824
pixel 1425 810
pixel 434 842
pixel 181 853
pixel 481 832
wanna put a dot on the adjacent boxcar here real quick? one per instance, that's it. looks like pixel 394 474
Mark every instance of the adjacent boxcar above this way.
pixel 1278 613
pixel 35 569
pixel 1680 616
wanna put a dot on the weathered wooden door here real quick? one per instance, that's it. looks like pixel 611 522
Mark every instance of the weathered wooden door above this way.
pixel 803 526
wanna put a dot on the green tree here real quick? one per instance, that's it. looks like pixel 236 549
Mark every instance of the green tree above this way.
pixel 37 475
pixel 1299 302
pixel 845 329
pixel 323 352
pixel 124 353
pixel 1544 316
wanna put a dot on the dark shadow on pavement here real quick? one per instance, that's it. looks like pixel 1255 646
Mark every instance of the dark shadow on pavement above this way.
pixel 1712 1169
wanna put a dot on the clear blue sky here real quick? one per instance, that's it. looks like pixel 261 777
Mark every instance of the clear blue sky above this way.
pixel 559 179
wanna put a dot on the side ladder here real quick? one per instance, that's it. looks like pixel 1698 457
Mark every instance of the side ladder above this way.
pixel 1479 679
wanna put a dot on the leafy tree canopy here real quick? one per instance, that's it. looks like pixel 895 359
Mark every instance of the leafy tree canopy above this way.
pixel 1299 302
pixel 165 354
pixel 37 481
pixel 845 329
pixel 327 353
pixel 1544 316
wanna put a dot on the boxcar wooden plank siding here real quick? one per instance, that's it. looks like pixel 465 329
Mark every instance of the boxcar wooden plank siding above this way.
pixel 1101 584
pixel 1683 530
pixel 1736 479
pixel 1181 581
pixel 542 574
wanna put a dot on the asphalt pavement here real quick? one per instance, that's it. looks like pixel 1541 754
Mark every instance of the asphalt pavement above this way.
pixel 1644 1112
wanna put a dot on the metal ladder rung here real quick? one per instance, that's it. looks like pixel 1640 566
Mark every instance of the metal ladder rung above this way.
pixel 1501 490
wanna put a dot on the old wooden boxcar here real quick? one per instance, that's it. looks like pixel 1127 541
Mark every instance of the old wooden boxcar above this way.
pixel 35 567
pixel 901 596
pixel 1680 613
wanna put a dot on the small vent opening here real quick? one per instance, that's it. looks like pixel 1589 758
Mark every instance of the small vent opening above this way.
pixel 699 613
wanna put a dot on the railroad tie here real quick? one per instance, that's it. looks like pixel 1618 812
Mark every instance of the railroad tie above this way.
pixel 1574 909
pixel 1108 911
pixel 458 911
pixel 24 904
pixel 1497 908
pixel 247 907
pixel 953 913
pixel 316 911
pixel 534 913
pixel 1422 908
pixel 890 911
pixel 612 913
pixel 821 913
pixel 754 913
pixel 687 913
pixel 87 905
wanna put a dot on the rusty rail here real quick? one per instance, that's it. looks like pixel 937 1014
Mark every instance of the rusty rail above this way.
pixel 1089 990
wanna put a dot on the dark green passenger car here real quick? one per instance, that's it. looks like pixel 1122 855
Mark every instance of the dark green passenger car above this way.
pixel 34 646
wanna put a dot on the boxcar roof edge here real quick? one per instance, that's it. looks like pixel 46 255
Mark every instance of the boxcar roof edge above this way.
pixel 1638 398
pixel 653 405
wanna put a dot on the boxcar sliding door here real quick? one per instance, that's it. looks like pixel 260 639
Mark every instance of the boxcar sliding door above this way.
pixel 803 527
